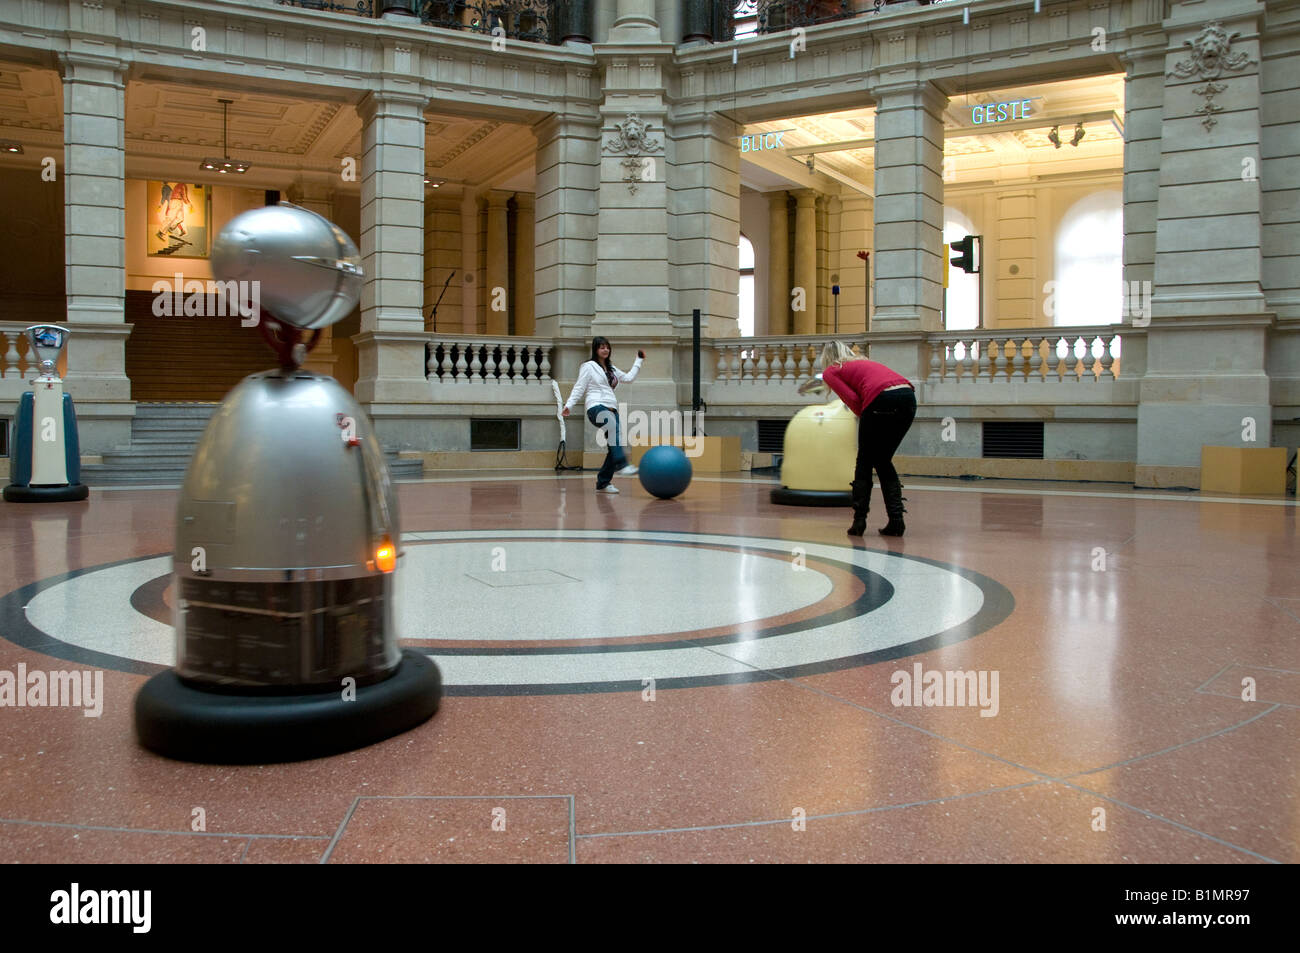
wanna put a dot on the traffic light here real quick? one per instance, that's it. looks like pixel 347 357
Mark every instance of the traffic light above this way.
pixel 965 259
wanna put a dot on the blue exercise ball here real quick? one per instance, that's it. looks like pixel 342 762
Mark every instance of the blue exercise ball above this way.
pixel 665 472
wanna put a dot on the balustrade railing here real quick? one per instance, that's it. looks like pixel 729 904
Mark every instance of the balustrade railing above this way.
pixel 527 20
pixel 19 363
pixel 773 359
pixel 360 8
pixel 777 15
pixel 1052 355
pixel 470 359
pixel 517 19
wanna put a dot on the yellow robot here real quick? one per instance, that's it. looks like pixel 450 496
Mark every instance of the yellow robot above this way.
pixel 821 447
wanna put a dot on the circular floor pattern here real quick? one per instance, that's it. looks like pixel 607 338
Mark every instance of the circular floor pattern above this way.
pixel 545 611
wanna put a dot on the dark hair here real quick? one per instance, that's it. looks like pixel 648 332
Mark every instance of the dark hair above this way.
pixel 608 366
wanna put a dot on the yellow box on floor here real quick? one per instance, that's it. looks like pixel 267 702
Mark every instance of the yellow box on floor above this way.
pixel 721 455
pixel 1243 470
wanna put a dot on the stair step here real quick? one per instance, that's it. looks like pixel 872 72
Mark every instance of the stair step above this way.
pixel 163 440
pixel 166 461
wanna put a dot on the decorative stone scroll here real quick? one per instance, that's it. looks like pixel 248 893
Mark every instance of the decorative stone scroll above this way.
pixel 634 140
pixel 1210 57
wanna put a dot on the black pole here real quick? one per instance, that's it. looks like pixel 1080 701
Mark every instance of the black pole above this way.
pixel 695 371
pixel 867 261
pixel 439 301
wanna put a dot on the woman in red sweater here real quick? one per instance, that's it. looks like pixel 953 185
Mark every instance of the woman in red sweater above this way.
pixel 885 403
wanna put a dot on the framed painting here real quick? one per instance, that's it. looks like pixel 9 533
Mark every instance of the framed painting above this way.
pixel 179 220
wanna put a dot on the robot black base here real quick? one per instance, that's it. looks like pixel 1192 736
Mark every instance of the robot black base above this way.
pixel 784 496
pixel 189 724
pixel 46 494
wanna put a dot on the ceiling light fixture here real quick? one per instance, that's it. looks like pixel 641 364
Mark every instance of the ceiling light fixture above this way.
pixel 225 164
pixel 8 145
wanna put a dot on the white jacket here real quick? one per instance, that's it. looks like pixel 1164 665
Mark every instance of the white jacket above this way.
pixel 593 385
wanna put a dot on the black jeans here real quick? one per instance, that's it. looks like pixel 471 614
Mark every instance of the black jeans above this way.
pixel 606 418
pixel 881 429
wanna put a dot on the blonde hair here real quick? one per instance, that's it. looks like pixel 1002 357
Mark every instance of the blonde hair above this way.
pixel 837 352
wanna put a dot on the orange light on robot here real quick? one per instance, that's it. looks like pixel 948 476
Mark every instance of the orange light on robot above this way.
pixel 386 556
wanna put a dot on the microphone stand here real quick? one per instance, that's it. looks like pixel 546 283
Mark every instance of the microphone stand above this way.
pixel 439 301
pixel 434 344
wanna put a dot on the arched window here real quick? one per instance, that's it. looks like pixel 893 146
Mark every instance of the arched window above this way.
pixel 962 307
pixel 1089 263
pixel 746 287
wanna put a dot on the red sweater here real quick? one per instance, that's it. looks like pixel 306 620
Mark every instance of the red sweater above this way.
pixel 860 382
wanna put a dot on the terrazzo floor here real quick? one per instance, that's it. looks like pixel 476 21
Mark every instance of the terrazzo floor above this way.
pixel 1034 673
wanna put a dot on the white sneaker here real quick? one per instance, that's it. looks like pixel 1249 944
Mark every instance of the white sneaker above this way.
pixel 629 470
pixel 611 488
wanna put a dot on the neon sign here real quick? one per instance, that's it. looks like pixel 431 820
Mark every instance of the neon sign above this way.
pixel 999 112
pixel 761 141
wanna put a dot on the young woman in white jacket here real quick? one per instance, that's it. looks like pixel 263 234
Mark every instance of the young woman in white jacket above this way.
pixel 595 387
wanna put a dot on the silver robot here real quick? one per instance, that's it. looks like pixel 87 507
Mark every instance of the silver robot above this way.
pixel 287 538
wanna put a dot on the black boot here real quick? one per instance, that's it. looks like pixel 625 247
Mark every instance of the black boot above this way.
pixel 861 504
pixel 892 491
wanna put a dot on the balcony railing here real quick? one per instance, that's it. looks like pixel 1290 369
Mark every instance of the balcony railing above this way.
pixel 20 363
pixel 1051 355
pixel 527 20
pixel 476 359
pixel 360 8
pixel 775 359
pixel 777 15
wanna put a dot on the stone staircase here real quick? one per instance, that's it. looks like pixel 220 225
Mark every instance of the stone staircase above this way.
pixel 163 438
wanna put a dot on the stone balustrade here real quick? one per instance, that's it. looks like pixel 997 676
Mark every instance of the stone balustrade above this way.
pixel 1052 355
pixel 483 359
pixel 19 363
pixel 741 361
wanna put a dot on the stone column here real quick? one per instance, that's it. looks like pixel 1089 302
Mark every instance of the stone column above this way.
pixel 442 257
pixel 805 261
pixel 1144 83
pixel 390 347
pixel 823 272
pixel 525 255
pixel 704 224
pixel 572 21
pixel 908 222
pixel 1279 148
pixel 568 182
pixel 1144 86
pixel 636 23
pixel 778 278
pixel 498 263
pixel 632 246
pixel 696 21
pixel 469 262
pixel 94 192
pixel 1016 278
pixel 1206 381
pixel 855 229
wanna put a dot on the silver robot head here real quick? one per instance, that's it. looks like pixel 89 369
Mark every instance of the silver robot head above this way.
pixel 47 340
pixel 308 270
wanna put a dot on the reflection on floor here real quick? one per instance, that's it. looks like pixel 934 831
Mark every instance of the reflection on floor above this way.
pixel 1035 672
